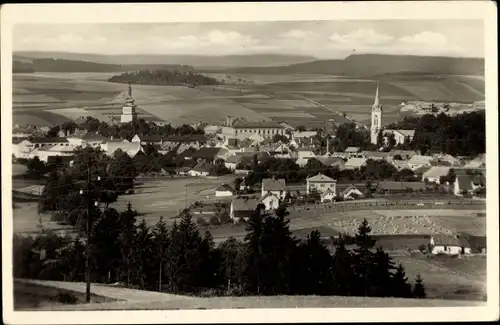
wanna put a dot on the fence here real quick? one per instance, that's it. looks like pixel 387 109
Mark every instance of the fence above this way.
pixel 387 205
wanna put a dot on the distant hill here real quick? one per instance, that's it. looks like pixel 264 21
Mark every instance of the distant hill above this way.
pixel 198 61
pixel 377 64
pixel 26 65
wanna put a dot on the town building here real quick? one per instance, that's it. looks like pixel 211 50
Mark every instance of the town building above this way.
pixel 351 192
pixel 335 162
pixel 45 153
pixel 242 208
pixel 355 163
pixel 275 186
pixel 88 139
pixel 375 155
pixel 224 190
pixel 402 154
pixel 321 184
pixel 434 174
pixel 418 161
pixel 468 184
pixel 24 148
pixel 237 127
pixel 400 136
pixel 270 201
pixel 303 156
pixel 129 113
pixel 211 154
pixel 327 196
pixel 448 245
pixel 130 148
pixel 202 168
pixel 376 118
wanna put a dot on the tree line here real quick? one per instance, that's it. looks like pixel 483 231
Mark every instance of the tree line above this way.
pixel 288 169
pixel 164 77
pixel 178 259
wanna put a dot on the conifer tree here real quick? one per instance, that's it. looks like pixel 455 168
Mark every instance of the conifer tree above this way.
pixel 317 264
pixel 229 266
pixel 419 288
pixel 401 287
pixel 143 253
pixel 251 268
pixel 342 269
pixel 380 276
pixel 161 238
pixel 363 258
pixel 126 242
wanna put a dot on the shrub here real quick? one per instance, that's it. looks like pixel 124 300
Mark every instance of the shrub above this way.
pixel 422 248
pixel 201 222
pixel 214 221
pixel 225 218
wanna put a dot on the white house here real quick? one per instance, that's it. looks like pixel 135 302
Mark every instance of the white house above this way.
pixel 400 136
pixel 242 208
pixel 270 201
pixel 449 245
pixel 24 149
pixel 418 161
pixel 224 190
pixel 202 168
pixel 45 153
pixel 328 195
pixel 468 184
pixel 355 163
pixel 433 175
pixel 351 192
pixel 321 183
pixel 148 139
pixel 303 156
pixel 275 186
pixel 131 148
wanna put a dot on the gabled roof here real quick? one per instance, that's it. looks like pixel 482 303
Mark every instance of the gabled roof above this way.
pixel 186 138
pixel 208 152
pixel 92 136
pixel 375 154
pixel 355 162
pixel 404 133
pixel 304 134
pixel 150 138
pixel 244 204
pixel 47 140
pixel 465 182
pixel 348 188
pixel 420 159
pixel 203 167
pixel 268 194
pixel 320 178
pixel 224 188
pixel 271 184
pixel 449 240
pixel 330 161
pixel 402 153
pixel 353 149
pixel 241 124
pixel 436 171
pixel 400 164
pixel 327 192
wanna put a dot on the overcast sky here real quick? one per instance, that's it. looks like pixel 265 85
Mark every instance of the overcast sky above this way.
pixel 322 39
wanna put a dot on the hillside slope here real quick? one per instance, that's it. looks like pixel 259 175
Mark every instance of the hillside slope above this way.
pixel 193 60
pixel 372 64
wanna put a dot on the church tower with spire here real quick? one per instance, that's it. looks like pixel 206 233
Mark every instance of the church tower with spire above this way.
pixel 128 110
pixel 376 125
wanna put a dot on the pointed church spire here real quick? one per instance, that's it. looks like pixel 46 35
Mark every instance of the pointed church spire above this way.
pixel 376 103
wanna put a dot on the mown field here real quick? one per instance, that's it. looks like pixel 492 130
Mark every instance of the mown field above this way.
pixel 53 98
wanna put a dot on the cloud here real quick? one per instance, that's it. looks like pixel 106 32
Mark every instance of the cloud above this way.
pixel 361 36
pixel 298 33
pixel 425 38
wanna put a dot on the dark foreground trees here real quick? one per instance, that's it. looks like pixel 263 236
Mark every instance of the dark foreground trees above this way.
pixel 269 261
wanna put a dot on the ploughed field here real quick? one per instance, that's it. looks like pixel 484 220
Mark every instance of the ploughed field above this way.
pixel 53 98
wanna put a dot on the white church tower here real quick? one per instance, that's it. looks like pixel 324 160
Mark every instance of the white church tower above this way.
pixel 376 126
pixel 128 110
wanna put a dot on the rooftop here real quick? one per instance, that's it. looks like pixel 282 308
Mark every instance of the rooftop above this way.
pixel 271 184
pixel 248 124
pixel 321 179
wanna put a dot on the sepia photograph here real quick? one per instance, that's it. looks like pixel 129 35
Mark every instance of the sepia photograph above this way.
pixel 184 158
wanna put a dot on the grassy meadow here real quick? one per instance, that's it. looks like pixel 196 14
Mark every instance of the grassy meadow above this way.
pixel 53 98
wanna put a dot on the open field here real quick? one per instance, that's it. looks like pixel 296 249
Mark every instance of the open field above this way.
pixel 448 277
pixel 297 99
pixel 409 221
pixel 146 300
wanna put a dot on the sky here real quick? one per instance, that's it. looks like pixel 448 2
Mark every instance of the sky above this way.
pixel 321 39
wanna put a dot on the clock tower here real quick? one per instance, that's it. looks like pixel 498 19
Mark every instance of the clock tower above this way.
pixel 376 123
pixel 128 110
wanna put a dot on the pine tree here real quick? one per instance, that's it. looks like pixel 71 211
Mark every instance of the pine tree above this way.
pixel 126 242
pixel 251 268
pixel 419 288
pixel 229 266
pixel 161 238
pixel 277 251
pixel 342 268
pixel 317 264
pixel 401 287
pixel 380 276
pixel 143 255
pixel 363 258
